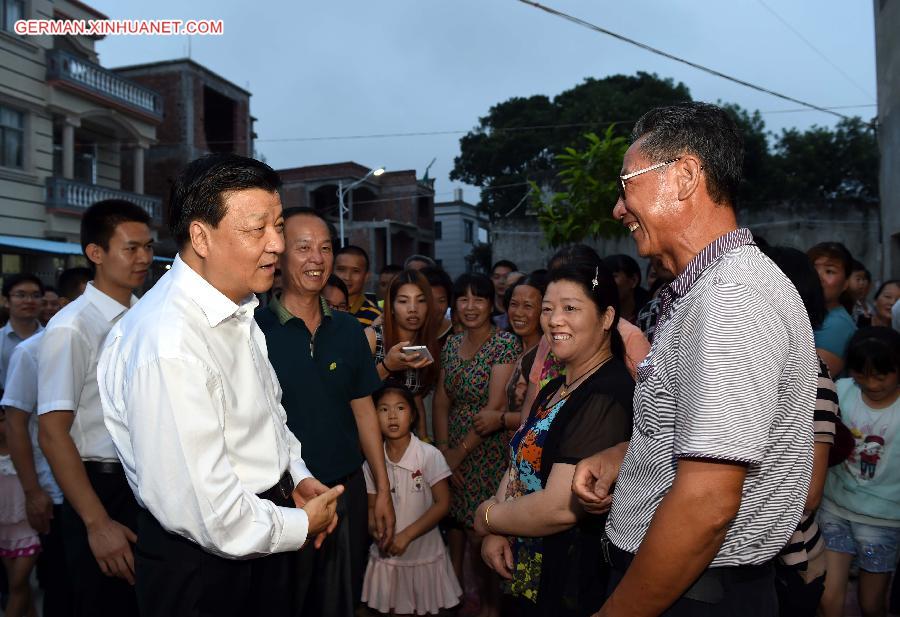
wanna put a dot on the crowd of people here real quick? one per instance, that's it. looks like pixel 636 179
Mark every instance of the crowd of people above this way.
pixel 260 434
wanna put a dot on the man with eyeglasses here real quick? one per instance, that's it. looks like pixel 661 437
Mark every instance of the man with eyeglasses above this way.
pixel 25 295
pixel 717 470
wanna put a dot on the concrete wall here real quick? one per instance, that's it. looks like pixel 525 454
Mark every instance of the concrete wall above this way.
pixel 796 225
pixel 887 66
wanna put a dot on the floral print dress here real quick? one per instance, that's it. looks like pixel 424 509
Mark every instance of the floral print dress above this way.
pixel 526 451
pixel 467 383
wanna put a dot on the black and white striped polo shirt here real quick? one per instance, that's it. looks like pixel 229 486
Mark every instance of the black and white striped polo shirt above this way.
pixel 731 376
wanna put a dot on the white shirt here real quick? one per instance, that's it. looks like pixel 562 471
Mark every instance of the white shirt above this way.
pixel 194 408
pixel 21 393
pixel 9 340
pixel 67 369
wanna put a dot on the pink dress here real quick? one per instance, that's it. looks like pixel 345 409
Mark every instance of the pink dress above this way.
pixel 421 581
pixel 17 538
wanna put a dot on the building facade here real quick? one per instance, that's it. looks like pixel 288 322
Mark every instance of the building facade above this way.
pixel 887 67
pixel 459 227
pixel 71 133
pixel 391 216
pixel 204 113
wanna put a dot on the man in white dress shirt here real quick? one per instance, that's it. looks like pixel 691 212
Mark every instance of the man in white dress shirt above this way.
pixel 43 497
pixel 194 409
pixel 99 512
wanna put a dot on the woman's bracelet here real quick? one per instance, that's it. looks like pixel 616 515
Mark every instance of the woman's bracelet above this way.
pixel 441 442
pixel 487 519
pixel 384 364
pixel 465 447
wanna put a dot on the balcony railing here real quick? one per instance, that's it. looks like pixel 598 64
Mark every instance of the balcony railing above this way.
pixel 76 197
pixel 67 67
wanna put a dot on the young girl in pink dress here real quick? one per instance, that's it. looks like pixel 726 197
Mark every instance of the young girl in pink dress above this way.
pixel 413 575
pixel 19 543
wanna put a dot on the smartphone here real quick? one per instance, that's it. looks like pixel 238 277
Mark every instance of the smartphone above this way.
pixel 422 350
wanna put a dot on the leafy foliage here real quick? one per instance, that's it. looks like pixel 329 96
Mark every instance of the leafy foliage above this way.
pixel 516 142
pixel 589 177
pixel 821 163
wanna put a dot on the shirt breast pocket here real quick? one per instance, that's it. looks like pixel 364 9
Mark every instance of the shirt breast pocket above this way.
pixel 654 403
pixel 337 373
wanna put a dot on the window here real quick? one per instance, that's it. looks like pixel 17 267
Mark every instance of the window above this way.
pixel 12 11
pixel 468 232
pixel 438 232
pixel 12 137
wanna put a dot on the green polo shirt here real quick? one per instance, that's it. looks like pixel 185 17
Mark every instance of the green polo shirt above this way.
pixel 320 373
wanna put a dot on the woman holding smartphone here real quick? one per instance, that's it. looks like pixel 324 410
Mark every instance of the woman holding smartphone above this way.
pixel 409 320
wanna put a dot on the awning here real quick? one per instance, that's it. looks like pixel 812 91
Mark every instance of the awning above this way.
pixel 54 247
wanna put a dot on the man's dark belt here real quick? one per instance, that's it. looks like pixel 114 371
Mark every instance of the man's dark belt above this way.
pixel 106 467
pixel 710 587
pixel 281 492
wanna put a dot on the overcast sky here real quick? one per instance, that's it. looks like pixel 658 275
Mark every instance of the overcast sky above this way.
pixel 340 68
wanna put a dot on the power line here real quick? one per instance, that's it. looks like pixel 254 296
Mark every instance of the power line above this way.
pixel 664 54
pixel 507 129
pixel 815 49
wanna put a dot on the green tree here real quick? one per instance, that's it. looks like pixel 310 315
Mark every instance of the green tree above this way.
pixel 515 143
pixel 589 177
pixel 822 163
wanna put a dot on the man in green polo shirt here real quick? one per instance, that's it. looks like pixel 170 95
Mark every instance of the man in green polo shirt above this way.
pixel 325 368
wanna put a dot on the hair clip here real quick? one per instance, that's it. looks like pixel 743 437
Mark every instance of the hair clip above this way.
pixel 594 281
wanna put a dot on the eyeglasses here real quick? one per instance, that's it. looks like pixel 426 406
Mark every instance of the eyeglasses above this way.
pixel 338 307
pixel 21 295
pixel 633 174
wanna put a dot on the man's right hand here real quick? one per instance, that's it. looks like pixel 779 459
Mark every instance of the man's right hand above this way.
pixel 595 476
pixel 110 543
pixel 39 510
pixel 322 513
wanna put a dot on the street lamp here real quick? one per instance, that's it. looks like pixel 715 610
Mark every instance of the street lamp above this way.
pixel 343 191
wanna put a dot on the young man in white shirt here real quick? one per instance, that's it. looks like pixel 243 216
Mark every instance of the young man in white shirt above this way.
pixel 43 497
pixel 99 511
pixel 194 409
pixel 24 293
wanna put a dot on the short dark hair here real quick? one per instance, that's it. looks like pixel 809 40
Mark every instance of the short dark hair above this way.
pixel 835 251
pixel 574 253
pixel 885 284
pixel 390 269
pixel 392 385
pixel 537 279
pixel 505 263
pixel 99 222
pixel 70 281
pixel 15 280
pixel 425 259
pixel 623 263
pixel 352 249
pixel 874 350
pixel 293 211
pixel 857 266
pixel 199 191
pixel 336 282
pixel 797 267
pixel 604 294
pixel 478 284
pixel 437 277
pixel 705 130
